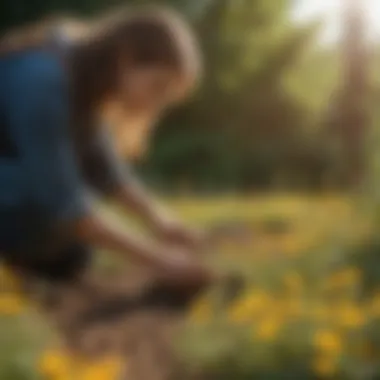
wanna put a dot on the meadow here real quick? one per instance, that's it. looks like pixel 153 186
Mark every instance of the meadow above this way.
pixel 310 309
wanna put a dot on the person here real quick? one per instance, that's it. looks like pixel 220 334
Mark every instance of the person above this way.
pixel 56 153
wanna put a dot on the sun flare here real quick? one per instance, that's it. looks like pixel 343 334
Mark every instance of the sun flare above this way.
pixel 331 13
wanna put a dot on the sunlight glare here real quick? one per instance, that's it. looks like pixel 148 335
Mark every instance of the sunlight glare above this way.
pixel 330 13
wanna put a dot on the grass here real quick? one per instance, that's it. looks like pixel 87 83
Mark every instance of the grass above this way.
pixel 284 323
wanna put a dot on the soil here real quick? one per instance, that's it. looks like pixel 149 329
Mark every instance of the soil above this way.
pixel 128 314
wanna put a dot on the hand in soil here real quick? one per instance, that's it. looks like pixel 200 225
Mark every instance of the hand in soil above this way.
pixel 183 270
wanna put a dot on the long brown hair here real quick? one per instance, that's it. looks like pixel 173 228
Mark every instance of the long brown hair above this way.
pixel 136 36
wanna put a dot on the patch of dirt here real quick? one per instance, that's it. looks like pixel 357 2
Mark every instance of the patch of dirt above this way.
pixel 130 315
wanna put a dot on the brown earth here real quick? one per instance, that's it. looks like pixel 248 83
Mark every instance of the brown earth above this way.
pixel 127 314
pixel 104 316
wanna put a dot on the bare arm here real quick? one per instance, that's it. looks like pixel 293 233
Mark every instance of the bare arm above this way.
pixel 167 227
pixel 112 177
pixel 134 198
pixel 96 230
pixel 170 265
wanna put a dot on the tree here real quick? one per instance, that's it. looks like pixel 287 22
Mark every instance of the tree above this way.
pixel 249 48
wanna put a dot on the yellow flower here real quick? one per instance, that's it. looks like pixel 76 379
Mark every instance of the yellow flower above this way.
pixel 11 304
pixel 54 364
pixel 347 277
pixel 351 315
pixel 257 300
pixel 238 313
pixel 268 329
pixel 328 342
pixel 107 369
pixel 248 305
pixel 325 366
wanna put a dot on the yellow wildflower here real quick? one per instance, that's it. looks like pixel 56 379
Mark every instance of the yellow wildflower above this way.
pixel 238 313
pixel 347 277
pixel 351 315
pixel 106 369
pixel 325 366
pixel 328 342
pixel 11 304
pixel 54 364
pixel 257 300
pixel 268 329
pixel 248 305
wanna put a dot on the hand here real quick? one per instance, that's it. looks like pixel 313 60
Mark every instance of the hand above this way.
pixel 182 270
pixel 174 233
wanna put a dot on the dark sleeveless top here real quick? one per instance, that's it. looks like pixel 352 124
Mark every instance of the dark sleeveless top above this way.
pixel 44 180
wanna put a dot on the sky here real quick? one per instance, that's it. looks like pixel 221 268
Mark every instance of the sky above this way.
pixel 305 10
